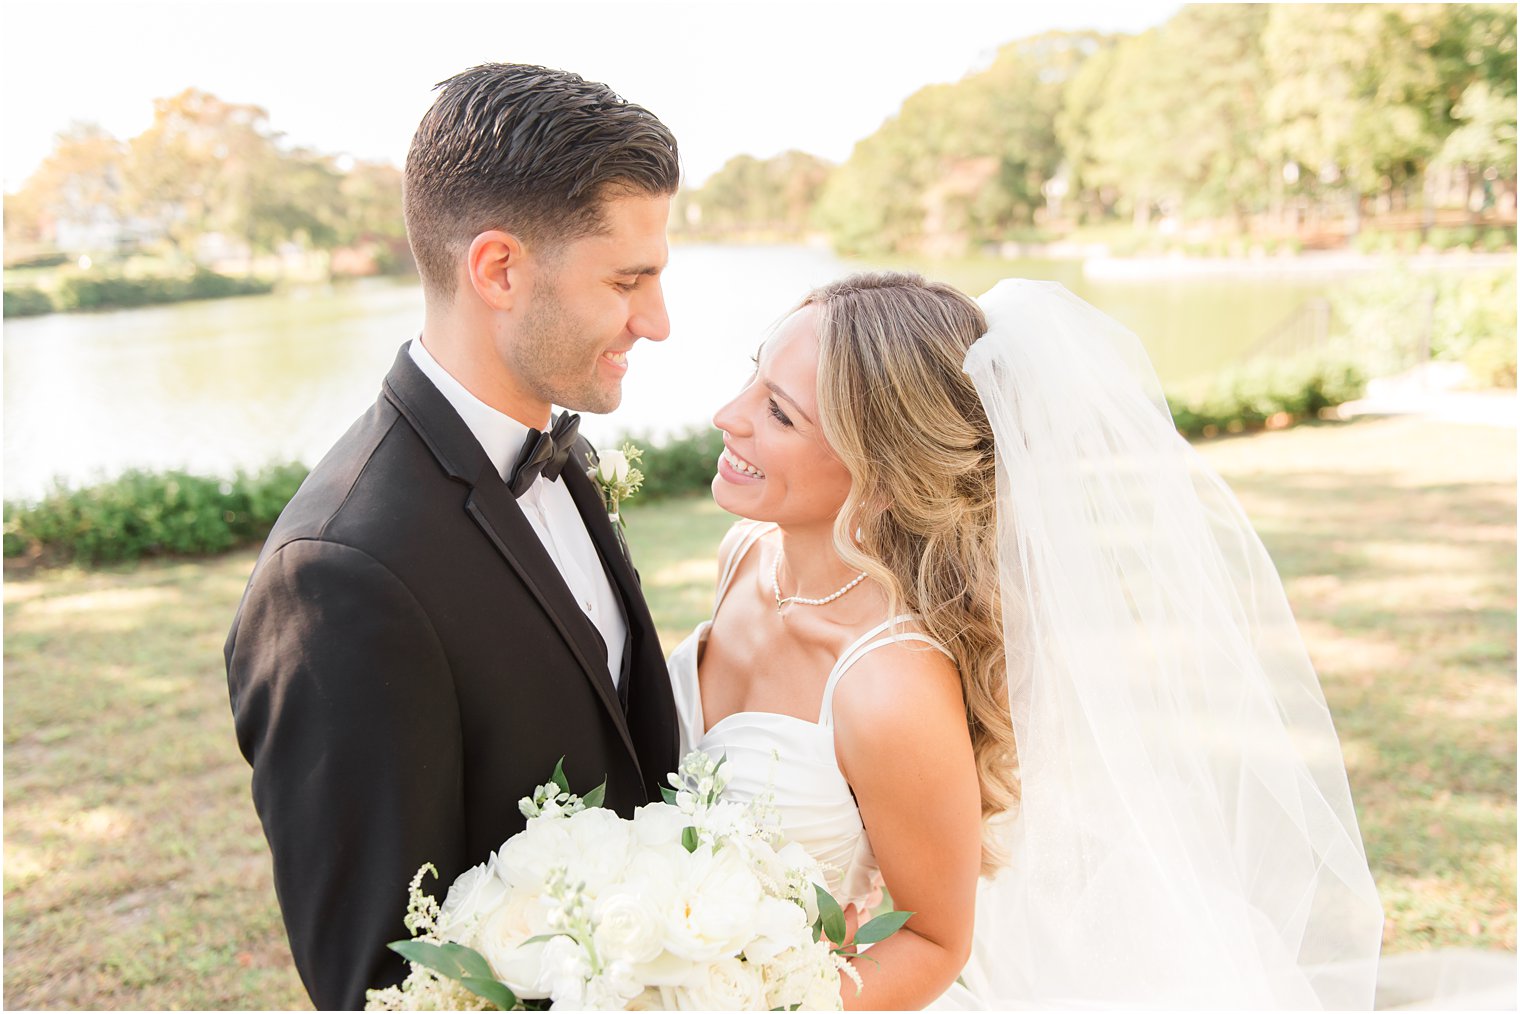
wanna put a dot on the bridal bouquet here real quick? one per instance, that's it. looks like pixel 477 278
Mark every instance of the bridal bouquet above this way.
pixel 695 903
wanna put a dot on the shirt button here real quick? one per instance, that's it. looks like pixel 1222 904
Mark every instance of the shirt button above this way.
pixel 587 604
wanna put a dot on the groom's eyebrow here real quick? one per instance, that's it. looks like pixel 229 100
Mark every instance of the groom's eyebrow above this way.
pixel 650 270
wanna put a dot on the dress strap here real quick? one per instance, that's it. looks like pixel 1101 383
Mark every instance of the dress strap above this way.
pixel 731 566
pixel 863 646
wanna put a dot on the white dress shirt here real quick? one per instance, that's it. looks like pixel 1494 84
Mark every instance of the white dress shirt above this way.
pixel 547 505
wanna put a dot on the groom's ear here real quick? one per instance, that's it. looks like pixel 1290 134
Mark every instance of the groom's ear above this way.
pixel 495 268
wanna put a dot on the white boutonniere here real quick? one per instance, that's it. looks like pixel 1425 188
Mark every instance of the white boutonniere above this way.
pixel 616 478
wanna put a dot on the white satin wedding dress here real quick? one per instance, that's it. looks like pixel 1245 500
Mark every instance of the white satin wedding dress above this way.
pixel 793 759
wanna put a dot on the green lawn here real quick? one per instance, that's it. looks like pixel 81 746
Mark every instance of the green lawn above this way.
pixel 136 875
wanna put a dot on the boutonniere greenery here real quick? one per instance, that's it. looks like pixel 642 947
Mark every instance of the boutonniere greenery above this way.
pixel 616 478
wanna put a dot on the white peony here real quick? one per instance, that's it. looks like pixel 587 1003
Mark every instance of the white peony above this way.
pixel 778 926
pixel 612 466
pixel 528 856
pixel 714 908
pixel 659 823
pixel 599 846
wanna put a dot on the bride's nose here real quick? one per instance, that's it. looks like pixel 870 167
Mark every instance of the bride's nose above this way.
pixel 730 419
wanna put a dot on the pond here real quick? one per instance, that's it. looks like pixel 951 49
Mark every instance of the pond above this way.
pixel 238 383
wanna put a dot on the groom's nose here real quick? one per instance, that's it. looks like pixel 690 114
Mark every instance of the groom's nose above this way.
pixel 649 319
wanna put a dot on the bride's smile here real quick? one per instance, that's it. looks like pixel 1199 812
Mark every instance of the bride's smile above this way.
pixel 776 464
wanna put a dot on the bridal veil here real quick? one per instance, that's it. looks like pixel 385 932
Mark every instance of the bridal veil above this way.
pixel 1186 836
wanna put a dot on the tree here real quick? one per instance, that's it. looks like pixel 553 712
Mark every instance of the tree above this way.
pixel 964 162
pixel 1356 93
pixel 748 194
pixel 74 198
pixel 202 167
pixel 371 200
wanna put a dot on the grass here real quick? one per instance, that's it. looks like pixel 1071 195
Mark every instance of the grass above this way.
pixel 136 874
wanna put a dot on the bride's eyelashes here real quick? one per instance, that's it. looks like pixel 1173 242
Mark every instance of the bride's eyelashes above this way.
pixel 770 403
pixel 776 412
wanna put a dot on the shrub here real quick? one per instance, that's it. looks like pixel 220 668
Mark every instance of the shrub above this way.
pixel 684 463
pixel 1496 238
pixel 1386 320
pixel 1246 397
pixel 108 291
pixel 151 514
pixel 1491 361
pixel 24 301
pixel 47 260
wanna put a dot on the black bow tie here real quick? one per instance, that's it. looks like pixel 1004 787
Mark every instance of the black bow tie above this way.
pixel 544 453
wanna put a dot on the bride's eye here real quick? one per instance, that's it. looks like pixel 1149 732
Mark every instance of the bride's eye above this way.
pixel 779 415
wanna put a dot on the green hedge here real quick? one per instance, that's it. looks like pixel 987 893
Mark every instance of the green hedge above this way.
pixel 24 301
pixel 1247 397
pixel 152 514
pixel 111 291
pixel 175 513
pixel 102 292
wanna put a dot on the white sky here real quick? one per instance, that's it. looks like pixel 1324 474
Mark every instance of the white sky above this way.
pixel 728 76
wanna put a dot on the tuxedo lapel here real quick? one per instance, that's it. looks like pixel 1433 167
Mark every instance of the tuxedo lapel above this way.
pixel 496 511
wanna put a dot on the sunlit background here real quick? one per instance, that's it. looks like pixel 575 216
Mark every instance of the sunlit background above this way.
pixel 1305 211
pixel 263 142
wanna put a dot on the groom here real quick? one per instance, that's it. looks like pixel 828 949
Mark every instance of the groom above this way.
pixel 443 611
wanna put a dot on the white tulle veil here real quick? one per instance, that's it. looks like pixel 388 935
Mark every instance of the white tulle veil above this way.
pixel 1186 836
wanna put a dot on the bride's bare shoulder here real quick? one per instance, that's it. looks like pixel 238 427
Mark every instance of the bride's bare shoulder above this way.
pixel 898 697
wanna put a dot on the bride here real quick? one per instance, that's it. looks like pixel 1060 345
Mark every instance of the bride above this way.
pixel 997 640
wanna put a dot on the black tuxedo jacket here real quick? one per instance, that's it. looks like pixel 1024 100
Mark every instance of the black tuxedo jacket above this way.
pixel 406 664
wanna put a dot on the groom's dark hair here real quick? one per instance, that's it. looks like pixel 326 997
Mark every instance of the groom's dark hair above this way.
pixel 528 150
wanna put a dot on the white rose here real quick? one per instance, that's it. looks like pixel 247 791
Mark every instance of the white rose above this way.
pixel 627 928
pixel 612 466
pixel 501 942
pixel 730 984
pixel 472 897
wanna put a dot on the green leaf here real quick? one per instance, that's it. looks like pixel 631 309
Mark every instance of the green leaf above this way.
pixel 542 938
pixel 834 926
pixel 559 776
pixel 490 989
pixel 460 963
pixel 668 794
pixel 689 840
pixel 452 960
pixel 596 796
pixel 881 927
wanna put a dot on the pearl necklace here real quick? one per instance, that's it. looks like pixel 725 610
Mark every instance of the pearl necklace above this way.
pixel 776 588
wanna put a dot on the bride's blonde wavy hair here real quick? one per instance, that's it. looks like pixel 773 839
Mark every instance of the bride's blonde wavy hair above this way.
pixel 921 514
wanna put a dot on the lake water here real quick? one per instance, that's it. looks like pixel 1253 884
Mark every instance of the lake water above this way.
pixel 238 383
